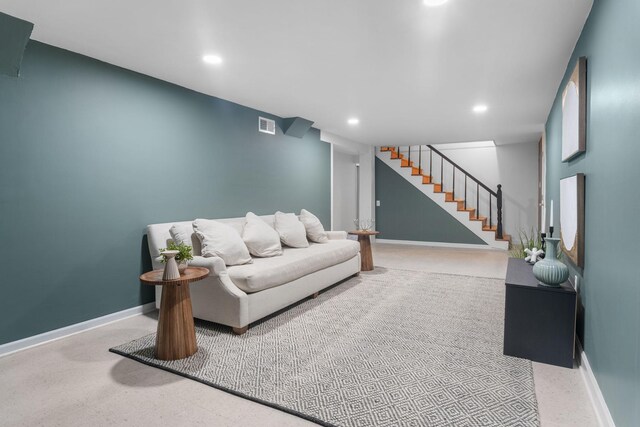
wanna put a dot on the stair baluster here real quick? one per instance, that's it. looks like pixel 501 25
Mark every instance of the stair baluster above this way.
pixel 490 211
pixel 454 183
pixel 499 206
pixel 430 164
pixel 486 222
pixel 477 200
pixel 465 192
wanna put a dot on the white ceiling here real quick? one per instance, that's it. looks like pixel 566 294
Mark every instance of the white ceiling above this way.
pixel 410 73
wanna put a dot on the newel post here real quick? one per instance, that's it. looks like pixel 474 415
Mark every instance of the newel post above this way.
pixel 499 204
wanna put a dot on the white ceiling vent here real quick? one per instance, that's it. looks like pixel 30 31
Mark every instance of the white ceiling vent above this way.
pixel 266 126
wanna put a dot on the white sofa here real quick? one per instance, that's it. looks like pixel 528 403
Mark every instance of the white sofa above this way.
pixel 239 295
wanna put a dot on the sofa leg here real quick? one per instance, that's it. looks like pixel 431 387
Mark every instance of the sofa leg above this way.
pixel 315 295
pixel 240 331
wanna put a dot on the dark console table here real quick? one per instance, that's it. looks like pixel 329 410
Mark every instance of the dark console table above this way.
pixel 539 321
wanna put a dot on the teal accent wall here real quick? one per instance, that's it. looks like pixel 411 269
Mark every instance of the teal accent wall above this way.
pixel 14 35
pixel 405 213
pixel 609 318
pixel 91 153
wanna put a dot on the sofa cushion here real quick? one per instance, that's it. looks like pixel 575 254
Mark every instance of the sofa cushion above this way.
pixel 315 230
pixel 260 238
pixel 291 230
pixel 221 240
pixel 294 263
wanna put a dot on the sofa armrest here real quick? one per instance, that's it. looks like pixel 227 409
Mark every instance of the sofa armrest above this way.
pixel 336 235
pixel 215 264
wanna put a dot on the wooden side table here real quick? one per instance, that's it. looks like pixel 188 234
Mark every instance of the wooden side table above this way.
pixel 366 258
pixel 176 337
pixel 539 321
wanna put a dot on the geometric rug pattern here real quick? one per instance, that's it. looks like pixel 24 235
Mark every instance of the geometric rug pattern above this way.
pixel 387 348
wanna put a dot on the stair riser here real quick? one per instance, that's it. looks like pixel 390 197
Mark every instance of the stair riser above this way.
pixel 434 191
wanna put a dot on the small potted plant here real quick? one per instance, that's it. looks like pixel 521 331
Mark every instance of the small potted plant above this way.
pixel 529 241
pixel 182 258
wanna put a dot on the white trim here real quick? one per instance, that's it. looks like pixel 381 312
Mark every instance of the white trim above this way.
pixel 56 334
pixel 595 395
pixel 332 161
pixel 465 145
pixel 438 244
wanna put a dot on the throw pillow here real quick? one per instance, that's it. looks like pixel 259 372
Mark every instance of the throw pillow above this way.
pixel 291 230
pixel 260 238
pixel 222 240
pixel 315 230
pixel 181 233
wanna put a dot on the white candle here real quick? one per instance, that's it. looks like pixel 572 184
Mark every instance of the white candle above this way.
pixel 551 215
pixel 543 227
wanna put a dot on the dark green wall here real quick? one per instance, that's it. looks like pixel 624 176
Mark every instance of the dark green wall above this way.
pixel 609 321
pixel 405 213
pixel 91 153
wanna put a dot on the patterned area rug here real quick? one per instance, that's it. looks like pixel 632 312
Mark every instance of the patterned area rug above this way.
pixel 388 348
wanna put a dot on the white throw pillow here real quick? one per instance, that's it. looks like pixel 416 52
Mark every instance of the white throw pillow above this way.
pixel 291 230
pixel 181 233
pixel 221 240
pixel 315 230
pixel 260 238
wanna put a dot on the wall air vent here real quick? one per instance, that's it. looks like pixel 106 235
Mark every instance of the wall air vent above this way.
pixel 266 126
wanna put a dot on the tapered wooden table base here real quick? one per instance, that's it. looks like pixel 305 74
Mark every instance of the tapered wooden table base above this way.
pixel 366 257
pixel 176 337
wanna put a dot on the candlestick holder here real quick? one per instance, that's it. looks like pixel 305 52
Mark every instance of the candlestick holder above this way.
pixel 543 237
pixel 551 231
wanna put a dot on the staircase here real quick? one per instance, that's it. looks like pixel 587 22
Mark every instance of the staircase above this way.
pixel 435 175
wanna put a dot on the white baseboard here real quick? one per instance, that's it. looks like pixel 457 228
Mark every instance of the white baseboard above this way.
pixel 597 399
pixel 438 244
pixel 23 344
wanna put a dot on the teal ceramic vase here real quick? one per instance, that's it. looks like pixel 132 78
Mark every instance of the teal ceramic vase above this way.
pixel 550 271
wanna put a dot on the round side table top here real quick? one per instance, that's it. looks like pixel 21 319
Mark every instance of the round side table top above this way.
pixel 191 274
pixel 364 232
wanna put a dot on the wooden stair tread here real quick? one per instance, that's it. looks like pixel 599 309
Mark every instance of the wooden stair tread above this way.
pixel 448 195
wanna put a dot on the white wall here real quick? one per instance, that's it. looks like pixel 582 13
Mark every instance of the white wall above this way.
pixel 515 166
pixel 365 155
pixel 344 190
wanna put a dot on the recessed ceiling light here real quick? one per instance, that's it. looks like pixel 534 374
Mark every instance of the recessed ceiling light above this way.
pixel 433 3
pixel 212 59
pixel 353 121
pixel 481 108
